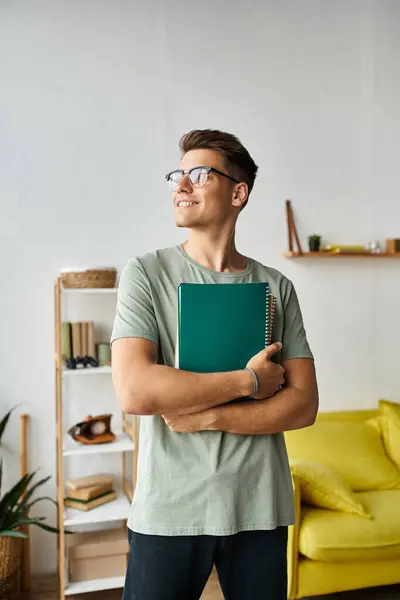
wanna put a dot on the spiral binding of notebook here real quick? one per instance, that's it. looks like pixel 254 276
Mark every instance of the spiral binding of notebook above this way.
pixel 271 316
pixel 267 313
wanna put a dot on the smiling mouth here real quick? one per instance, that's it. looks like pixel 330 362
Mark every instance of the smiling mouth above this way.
pixel 185 204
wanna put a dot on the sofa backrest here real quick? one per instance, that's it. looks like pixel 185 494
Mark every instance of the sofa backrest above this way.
pixel 348 415
pixel 350 443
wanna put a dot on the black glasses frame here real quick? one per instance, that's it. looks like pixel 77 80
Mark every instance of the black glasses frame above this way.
pixel 208 169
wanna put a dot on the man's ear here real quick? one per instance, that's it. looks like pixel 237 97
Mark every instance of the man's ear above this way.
pixel 240 195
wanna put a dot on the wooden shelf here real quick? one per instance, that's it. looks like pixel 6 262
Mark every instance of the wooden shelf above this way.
pixel 293 238
pixel 323 254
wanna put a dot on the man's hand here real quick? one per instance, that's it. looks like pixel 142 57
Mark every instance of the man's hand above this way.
pixel 200 421
pixel 269 374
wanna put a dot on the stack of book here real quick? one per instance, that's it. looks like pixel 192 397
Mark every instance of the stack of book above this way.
pixel 88 492
pixel 78 339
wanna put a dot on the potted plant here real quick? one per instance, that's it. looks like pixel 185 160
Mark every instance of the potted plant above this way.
pixel 15 506
pixel 314 242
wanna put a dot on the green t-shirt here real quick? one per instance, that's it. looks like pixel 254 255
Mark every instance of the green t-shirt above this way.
pixel 208 482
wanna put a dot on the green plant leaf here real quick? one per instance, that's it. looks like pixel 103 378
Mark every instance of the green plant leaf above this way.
pixel 15 506
pixel 29 506
pixel 14 494
pixel 10 501
pixel 4 421
pixel 48 528
pixel 10 520
pixel 15 534
pixel 29 493
pixel 28 520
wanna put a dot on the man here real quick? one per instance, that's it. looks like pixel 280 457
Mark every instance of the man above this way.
pixel 214 484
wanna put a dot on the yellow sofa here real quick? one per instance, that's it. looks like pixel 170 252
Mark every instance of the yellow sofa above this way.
pixel 330 550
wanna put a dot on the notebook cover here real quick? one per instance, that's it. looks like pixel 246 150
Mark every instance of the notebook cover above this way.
pixel 221 326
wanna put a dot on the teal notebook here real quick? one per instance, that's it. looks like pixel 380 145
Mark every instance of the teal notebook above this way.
pixel 221 326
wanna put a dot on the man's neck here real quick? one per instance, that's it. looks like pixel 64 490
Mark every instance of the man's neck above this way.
pixel 218 255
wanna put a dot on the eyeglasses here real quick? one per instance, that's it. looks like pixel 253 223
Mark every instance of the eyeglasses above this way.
pixel 197 175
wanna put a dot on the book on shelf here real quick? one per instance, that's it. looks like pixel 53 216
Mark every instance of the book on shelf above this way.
pixel 84 338
pixel 89 504
pixel 76 339
pixel 66 340
pixel 88 493
pixel 90 480
pixel 91 339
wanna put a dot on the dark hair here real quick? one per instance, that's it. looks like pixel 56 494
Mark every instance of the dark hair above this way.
pixel 237 159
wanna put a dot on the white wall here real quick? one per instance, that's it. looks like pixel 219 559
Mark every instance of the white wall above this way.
pixel 94 96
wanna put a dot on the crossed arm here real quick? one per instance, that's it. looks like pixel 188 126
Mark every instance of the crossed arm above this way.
pixel 191 402
pixel 293 407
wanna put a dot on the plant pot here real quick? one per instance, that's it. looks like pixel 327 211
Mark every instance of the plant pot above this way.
pixel 10 561
pixel 314 245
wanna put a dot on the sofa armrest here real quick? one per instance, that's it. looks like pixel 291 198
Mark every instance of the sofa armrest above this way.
pixel 293 543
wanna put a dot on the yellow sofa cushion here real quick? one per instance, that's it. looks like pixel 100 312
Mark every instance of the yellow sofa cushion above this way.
pixel 352 449
pixel 318 578
pixel 322 487
pixel 390 425
pixel 327 535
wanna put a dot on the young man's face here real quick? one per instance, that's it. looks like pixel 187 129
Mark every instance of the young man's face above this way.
pixel 211 203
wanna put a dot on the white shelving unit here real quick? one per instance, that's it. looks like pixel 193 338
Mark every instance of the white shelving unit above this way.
pixel 94 585
pixel 74 291
pixel 125 442
pixel 88 371
pixel 116 510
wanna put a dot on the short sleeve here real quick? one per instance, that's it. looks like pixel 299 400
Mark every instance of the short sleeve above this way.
pixel 135 315
pixel 294 338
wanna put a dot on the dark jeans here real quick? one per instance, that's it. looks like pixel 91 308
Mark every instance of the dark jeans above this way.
pixel 251 565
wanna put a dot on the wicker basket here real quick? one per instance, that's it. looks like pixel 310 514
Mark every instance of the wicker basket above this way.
pixel 89 278
pixel 10 560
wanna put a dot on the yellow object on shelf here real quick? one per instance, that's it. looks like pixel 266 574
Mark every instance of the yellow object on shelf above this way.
pixel 344 248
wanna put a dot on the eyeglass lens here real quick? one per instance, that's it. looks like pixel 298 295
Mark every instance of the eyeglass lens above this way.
pixel 197 176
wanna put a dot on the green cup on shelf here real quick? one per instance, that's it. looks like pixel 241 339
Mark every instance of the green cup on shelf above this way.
pixel 103 350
